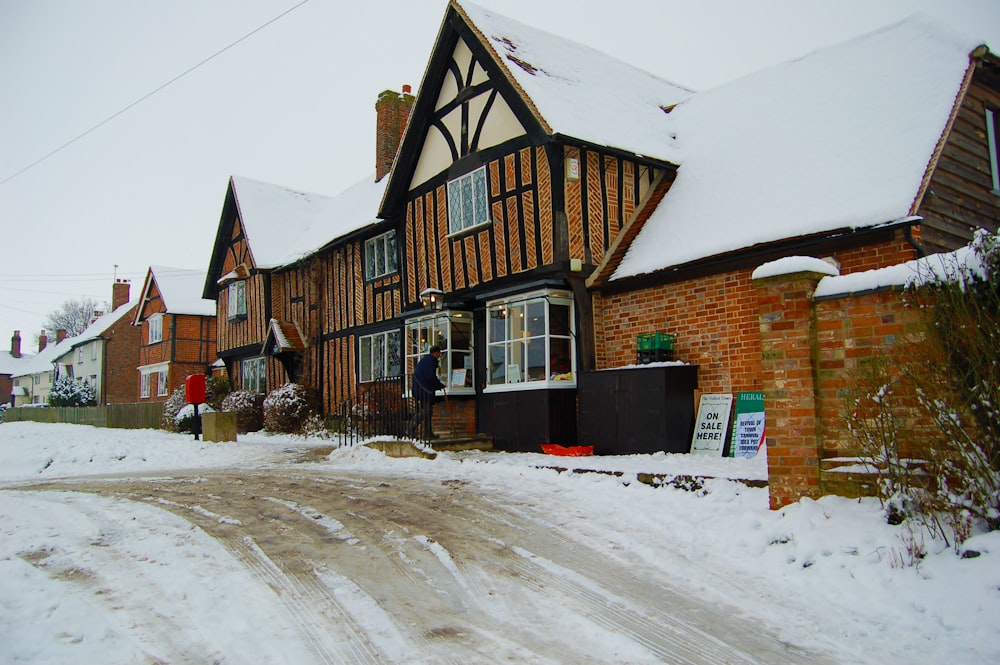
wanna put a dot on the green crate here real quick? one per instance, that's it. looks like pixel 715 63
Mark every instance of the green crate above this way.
pixel 657 341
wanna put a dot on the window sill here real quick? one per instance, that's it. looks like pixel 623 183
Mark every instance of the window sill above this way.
pixel 236 319
pixel 530 385
pixel 454 235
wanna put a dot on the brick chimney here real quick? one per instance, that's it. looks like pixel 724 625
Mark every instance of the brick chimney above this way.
pixel 119 293
pixel 43 341
pixel 60 335
pixel 15 344
pixel 393 111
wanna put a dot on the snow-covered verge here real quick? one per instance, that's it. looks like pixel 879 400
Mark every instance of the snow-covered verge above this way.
pixel 830 565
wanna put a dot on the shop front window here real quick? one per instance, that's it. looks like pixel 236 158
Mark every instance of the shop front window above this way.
pixel 530 341
pixel 452 331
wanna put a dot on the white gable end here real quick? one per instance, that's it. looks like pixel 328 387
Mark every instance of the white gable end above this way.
pixel 489 120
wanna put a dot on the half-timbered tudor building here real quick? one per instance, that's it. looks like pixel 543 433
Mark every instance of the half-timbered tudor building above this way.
pixel 178 331
pixel 297 278
pixel 559 204
pixel 524 158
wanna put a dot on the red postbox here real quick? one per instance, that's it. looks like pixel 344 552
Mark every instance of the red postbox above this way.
pixel 194 389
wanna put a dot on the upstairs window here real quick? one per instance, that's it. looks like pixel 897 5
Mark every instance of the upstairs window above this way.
pixel 155 328
pixel 380 255
pixel 238 300
pixel 993 136
pixel 467 201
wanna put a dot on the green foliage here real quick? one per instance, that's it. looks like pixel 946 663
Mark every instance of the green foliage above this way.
pixel 217 389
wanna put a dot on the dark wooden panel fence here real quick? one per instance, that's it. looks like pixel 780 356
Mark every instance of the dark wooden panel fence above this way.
pixel 639 410
pixel 120 416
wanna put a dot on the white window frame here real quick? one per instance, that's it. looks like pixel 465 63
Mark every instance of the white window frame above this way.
pixel 237 300
pixel 380 355
pixel 468 201
pixel 93 351
pixel 381 257
pixel 992 139
pixel 146 373
pixel 521 355
pixel 155 328
pixel 253 374
pixel 453 331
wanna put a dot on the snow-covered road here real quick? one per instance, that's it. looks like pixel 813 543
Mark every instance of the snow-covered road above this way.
pixel 381 570
pixel 121 547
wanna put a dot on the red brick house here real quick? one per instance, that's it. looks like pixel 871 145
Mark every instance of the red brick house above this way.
pixel 178 333
pixel 105 353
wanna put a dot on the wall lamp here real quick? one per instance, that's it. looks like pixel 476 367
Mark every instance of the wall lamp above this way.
pixel 432 298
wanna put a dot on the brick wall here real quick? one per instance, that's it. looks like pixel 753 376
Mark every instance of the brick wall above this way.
pixel 768 336
pixel 121 358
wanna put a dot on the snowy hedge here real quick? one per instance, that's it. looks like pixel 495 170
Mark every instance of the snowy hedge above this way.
pixel 288 408
pixel 249 410
pixel 68 391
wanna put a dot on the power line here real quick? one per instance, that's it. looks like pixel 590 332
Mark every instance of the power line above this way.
pixel 150 94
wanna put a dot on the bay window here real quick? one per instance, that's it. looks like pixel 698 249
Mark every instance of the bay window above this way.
pixel 529 341
pixel 452 331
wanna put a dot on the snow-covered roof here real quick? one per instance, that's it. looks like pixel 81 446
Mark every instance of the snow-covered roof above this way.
pixel 180 289
pixel 98 327
pixel 9 364
pixel 42 361
pixel 284 225
pixel 840 138
pixel 580 92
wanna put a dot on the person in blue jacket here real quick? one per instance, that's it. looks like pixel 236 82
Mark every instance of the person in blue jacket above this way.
pixel 425 384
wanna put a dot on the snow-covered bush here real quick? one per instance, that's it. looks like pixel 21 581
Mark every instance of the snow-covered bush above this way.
pixel 249 410
pixel 927 414
pixel 171 408
pixel 185 419
pixel 3 412
pixel 288 408
pixel 68 391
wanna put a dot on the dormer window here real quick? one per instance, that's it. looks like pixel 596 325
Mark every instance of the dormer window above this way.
pixel 467 201
pixel 238 301
pixel 155 328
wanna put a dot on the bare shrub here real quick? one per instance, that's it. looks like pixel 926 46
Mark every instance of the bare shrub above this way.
pixel 927 412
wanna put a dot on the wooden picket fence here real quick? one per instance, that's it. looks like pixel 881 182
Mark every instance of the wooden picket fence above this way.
pixel 121 416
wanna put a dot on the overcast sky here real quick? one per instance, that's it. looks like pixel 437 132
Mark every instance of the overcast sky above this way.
pixel 292 104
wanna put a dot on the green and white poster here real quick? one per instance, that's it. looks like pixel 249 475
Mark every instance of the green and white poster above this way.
pixel 748 428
